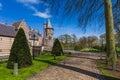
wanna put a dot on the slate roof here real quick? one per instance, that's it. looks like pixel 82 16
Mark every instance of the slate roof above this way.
pixel 7 31
pixel 16 24
pixel 33 33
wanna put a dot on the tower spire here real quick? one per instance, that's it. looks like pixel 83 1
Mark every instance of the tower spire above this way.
pixel 49 24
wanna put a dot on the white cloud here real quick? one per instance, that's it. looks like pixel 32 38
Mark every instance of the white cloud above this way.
pixel 0 6
pixel 45 14
pixel 29 1
pixel 42 14
pixel 31 7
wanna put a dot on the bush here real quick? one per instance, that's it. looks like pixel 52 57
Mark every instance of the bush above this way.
pixel 20 51
pixel 105 48
pixel 97 47
pixel 90 50
pixel 77 48
pixel 57 48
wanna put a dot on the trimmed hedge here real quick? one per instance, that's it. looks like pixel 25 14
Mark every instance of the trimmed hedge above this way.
pixel 57 48
pixel 20 51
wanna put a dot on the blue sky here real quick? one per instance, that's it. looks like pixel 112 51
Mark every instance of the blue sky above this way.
pixel 36 12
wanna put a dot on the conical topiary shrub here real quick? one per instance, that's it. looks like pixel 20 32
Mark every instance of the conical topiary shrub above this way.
pixel 57 48
pixel 20 51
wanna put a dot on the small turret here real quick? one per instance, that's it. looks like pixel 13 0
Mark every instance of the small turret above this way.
pixel 45 25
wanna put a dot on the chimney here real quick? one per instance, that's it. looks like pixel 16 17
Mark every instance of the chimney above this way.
pixel 15 28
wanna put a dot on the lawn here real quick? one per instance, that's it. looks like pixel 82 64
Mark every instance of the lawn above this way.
pixel 41 62
pixel 90 50
pixel 118 50
pixel 107 70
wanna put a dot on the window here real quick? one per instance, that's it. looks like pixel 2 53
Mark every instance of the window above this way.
pixel 0 50
pixel 50 37
pixel 10 39
pixel 1 39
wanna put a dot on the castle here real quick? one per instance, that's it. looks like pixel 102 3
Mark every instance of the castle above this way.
pixel 48 34
pixel 8 33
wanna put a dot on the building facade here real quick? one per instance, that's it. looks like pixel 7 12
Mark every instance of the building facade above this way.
pixel 8 33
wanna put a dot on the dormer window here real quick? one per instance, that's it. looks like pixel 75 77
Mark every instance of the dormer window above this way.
pixel 16 28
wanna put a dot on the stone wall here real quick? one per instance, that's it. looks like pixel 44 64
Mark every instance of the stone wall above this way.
pixel 6 44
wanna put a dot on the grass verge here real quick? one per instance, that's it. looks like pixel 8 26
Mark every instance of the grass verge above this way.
pixel 90 50
pixel 104 71
pixel 41 62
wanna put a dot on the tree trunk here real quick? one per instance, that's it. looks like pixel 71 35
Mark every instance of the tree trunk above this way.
pixel 110 41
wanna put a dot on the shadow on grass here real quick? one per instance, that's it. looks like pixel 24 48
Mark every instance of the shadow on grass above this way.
pixel 89 73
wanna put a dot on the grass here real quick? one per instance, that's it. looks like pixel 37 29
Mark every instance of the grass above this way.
pixel 105 72
pixel 41 62
pixel 118 50
pixel 90 50
pixel 102 69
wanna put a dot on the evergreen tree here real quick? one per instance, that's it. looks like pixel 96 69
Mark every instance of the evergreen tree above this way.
pixel 57 48
pixel 20 51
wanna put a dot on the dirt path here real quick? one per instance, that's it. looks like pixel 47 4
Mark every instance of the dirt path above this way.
pixel 80 66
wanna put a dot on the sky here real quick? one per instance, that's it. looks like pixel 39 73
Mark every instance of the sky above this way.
pixel 36 12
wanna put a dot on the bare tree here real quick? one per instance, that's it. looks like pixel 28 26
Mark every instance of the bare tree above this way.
pixel 103 40
pixel 83 42
pixel 91 40
pixel 74 39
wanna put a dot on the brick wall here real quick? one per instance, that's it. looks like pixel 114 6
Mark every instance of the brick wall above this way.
pixel 6 44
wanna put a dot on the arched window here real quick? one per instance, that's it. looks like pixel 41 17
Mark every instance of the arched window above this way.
pixel 1 39
pixel 50 37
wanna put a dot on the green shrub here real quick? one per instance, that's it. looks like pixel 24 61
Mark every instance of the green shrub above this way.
pixel 57 48
pixel 97 47
pixel 20 51
pixel 77 48
pixel 117 49
pixel 105 48
pixel 90 50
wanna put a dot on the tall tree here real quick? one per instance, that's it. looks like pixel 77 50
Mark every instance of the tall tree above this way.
pixel 103 40
pixel 91 40
pixel 117 38
pixel 61 38
pixel 83 42
pixel 74 37
pixel 110 40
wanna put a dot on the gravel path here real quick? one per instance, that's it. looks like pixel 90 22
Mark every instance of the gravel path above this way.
pixel 80 66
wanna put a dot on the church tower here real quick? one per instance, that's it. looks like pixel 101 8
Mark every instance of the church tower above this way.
pixel 48 34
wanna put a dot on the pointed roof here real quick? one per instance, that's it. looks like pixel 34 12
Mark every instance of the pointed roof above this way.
pixel 49 24
pixel 16 24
